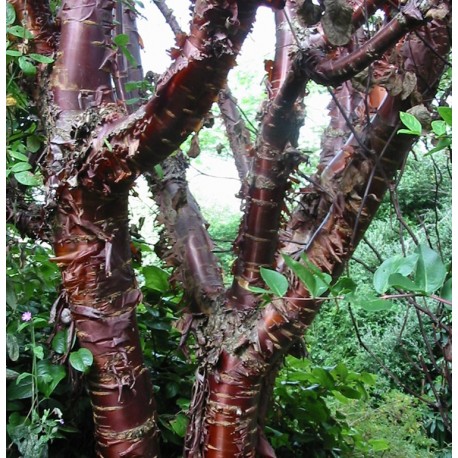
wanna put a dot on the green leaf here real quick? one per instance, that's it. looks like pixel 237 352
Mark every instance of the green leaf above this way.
pixel 379 445
pixel 395 264
pixel 411 122
pixel 446 291
pixel 368 379
pixel 18 155
pixel 344 285
pixel 81 360
pixel 27 178
pixel 443 143
pixel 374 304
pixel 33 143
pixel 439 128
pixel 180 424
pixel 446 114
pixel 12 346
pixel 303 274
pixel 349 392
pixel 21 389
pixel 13 52
pixel 121 40
pixel 400 281
pixel 19 31
pixel 40 58
pixel 26 66
pixel 156 278
pixel 21 167
pixel 341 398
pixel 38 351
pixel 275 281
pixel 10 14
pixel 258 290
pixel 11 299
pixel 49 376
pixel 430 272
pixel 59 342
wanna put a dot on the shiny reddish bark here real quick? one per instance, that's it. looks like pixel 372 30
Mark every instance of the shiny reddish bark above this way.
pixel 96 150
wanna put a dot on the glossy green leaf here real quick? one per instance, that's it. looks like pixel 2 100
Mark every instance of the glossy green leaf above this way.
pixel 27 178
pixel 81 360
pixel 49 376
pixel 26 66
pixel 33 143
pixel 121 39
pixel 430 272
pixel 374 304
pixel 21 388
pixel 10 14
pixel 18 155
pixel 395 264
pixel 446 291
pixel 19 31
pixel 12 347
pixel 38 351
pixel 439 128
pixel 411 122
pixel 446 114
pixel 21 167
pixel 59 342
pixel 379 445
pixel 40 58
pixel 400 281
pixel 156 279
pixel 180 424
pixel 276 282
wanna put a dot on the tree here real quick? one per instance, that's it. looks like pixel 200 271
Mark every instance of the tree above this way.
pixel 377 59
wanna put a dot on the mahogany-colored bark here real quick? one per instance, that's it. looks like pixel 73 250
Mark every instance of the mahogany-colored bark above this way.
pixel 96 150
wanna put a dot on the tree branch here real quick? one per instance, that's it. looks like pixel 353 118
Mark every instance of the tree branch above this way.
pixel 191 247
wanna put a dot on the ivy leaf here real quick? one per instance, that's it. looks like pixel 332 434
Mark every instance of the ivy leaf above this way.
pixel 81 360
pixel 430 272
pixel 276 282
